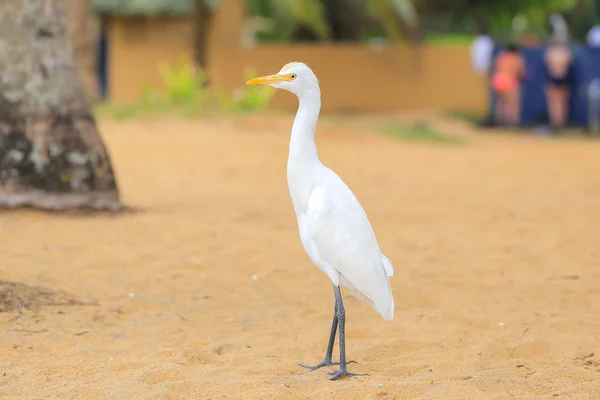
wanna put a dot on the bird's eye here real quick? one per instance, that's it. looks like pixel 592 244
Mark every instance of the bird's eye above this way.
pixel 293 76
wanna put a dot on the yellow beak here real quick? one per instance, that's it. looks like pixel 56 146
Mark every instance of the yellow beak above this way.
pixel 266 80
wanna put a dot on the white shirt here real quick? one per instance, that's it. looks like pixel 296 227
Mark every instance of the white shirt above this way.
pixel 481 53
pixel 593 36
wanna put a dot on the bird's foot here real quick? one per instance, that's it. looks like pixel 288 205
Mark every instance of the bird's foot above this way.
pixel 342 373
pixel 325 363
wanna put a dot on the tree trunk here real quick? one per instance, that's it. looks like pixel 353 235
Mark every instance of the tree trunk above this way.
pixel 304 34
pixel 51 154
pixel 84 28
pixel 202 19
pixel 346 19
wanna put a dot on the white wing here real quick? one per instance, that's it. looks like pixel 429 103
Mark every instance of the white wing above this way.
pixel 343 239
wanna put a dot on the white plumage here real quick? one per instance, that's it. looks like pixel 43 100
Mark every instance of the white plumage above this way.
pixel 338 237
pixel 333 226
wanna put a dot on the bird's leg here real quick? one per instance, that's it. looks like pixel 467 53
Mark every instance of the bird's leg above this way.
pixel 329 354
pixel 341 317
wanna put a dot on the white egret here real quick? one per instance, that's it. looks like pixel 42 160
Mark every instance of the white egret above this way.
pixel 333 226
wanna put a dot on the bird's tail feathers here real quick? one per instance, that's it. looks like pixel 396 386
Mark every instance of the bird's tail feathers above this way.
pixel 387 265
pixel 382 302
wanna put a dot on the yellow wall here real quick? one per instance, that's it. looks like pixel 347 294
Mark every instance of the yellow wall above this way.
pixel 356 78
pixel 137 46
pixel 353 77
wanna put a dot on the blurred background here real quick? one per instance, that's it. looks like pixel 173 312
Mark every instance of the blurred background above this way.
pixel 467 129
pixel 416 55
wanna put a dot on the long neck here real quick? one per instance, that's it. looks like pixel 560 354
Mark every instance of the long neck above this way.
pixel 303 149
pixel 303 161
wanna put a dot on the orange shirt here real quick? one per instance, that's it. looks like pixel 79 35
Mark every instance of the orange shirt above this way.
pixel 510 63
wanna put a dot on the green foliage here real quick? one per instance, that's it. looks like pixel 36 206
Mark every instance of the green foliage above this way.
pixel 141 7
pixel 284 15
pixel 501 15
pixel 455 39
pixel 249 98
pixel 397 18
pixel 183 84
pixel 419 133
pixel 393 13
pixel 467 116
pixel 184 89
pixel 308 12
pixel 184 92
pixel 120 112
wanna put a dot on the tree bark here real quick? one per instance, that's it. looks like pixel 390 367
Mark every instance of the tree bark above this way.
pixel 84 30
pixel 51 154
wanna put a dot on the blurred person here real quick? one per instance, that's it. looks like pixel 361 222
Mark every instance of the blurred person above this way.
pixel 558 58
pixel 593 94
pixel 509 71
pixel 482 51
pixel 593 90
pixel 593 37
pixel 531 40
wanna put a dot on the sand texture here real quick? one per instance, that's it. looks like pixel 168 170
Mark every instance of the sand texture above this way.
pixel 204 290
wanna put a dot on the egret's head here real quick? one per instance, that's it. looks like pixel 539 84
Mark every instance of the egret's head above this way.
pixel 295 77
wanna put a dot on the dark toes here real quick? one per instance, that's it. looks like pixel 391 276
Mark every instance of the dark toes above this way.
pixel 335 375
pixel 314 368
pixel 309 367
pixel 340 374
